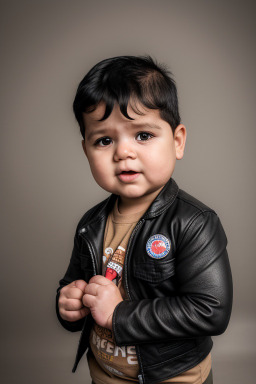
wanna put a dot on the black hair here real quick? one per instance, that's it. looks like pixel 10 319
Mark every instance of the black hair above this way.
pixel 125 79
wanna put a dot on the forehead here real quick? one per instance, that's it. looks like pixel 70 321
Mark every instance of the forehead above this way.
pixel 139 114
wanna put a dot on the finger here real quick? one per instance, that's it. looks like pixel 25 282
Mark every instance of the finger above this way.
pixel 73 293
pixel 101 280
pixel 92 289
pixel 88 300
pixel 73 305
pixel 73 284
pixel 81 284
pixel 75 315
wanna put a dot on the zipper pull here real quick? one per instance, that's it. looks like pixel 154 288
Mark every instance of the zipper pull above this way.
pixel 140 379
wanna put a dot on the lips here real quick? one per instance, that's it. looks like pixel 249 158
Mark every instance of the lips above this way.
pixel 127 176
pixel 128 172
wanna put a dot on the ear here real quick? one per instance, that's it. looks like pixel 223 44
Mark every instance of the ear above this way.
pixel 180 135
pixel 84 148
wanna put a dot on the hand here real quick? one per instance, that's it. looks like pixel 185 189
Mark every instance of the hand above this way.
pixel 71 307
pixel 102 296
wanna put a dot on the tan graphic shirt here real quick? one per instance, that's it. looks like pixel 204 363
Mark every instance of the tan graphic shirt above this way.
pixel 113 360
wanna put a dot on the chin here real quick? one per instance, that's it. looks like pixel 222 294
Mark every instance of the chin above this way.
pixel 129 194
pixel 133 196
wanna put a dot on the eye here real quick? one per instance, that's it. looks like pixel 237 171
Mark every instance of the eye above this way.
pixel 144 136
pixel 103 141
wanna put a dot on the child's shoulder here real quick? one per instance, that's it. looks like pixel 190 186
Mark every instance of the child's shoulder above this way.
pixel 192 203
pixel 196 216
pixel 196 221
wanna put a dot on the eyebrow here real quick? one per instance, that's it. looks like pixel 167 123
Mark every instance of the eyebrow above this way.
pixel 104 131
pixel 147 125
pixel 98 132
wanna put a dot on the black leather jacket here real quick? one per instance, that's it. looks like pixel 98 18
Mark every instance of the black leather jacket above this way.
pixel 176 303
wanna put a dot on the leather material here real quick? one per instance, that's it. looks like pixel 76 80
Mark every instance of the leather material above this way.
pixel 175 303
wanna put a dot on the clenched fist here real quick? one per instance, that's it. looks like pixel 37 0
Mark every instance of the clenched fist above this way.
pixel 101 296
pixel 71 307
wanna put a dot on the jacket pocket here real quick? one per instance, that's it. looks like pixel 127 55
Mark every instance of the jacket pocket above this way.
pixel 170 346
pixel 154 271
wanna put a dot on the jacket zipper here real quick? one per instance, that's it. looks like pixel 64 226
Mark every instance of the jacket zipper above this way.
pixel 94 262
pixel 126 258
pixel 140 376
pixel 94 265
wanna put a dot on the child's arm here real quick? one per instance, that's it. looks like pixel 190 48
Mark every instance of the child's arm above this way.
pixel 202 303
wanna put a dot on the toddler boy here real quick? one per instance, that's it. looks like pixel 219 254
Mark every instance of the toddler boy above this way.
pixel 149 280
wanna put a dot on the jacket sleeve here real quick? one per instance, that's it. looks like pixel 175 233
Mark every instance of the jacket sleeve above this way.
pixel 73 273
pixel 201 305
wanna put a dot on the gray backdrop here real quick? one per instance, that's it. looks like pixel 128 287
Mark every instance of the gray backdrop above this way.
pixel 46 48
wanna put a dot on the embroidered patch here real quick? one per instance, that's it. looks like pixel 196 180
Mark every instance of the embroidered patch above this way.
pixel 158 246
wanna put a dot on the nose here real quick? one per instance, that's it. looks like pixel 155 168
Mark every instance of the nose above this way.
pixel 124 149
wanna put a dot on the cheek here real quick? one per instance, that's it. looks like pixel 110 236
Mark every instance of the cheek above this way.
pixel 161 158
pixel 97 166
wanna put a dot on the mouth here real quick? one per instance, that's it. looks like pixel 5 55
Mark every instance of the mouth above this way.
pixel 127 176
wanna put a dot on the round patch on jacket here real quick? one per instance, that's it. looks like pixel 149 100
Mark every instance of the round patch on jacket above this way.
pixel 158 246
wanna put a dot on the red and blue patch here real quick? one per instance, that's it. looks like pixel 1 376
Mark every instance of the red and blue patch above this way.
pixel 158 246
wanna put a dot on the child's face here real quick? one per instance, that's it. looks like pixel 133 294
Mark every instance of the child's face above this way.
pixel 132 158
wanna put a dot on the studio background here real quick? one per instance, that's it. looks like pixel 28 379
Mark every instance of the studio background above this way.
pixel 46 48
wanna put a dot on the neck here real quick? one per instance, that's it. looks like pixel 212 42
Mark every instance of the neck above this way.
pixel 129 205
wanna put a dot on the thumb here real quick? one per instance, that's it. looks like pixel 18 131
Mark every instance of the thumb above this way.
pixel 80 284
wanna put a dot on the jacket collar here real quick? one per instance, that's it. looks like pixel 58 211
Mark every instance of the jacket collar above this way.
pixel 165 198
